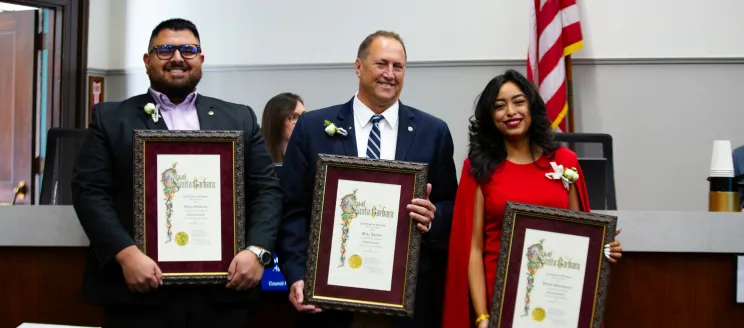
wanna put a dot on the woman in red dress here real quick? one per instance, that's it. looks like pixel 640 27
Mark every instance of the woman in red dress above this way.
pixel 511 150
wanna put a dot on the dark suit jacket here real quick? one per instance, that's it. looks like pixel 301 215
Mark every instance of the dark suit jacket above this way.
pixel 429 142
pixel 738 156
pixel 102 191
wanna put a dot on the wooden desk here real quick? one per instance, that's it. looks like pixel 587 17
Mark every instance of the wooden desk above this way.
pixel 42 284
pixel 647 290
pixel 678 270
pixel 674 290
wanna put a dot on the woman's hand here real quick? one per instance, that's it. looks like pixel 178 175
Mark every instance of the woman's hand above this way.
pixel 613 250
pixel 483 324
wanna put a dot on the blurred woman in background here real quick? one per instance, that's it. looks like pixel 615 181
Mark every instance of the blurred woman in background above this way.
pixel 278 121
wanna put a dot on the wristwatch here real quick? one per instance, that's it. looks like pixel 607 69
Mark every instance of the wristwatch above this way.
pixel 263 255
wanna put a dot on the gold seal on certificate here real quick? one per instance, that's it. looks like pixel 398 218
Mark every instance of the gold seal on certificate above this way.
pixel 182 238
pixel 538 314
pixel 355 261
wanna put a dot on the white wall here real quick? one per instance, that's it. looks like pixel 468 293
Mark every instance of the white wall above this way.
pixel 661 28
pixel 99 27
pixel 657 167
pixel 252 32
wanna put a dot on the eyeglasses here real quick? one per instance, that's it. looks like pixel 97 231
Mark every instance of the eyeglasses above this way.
pixel 166 51
pixel 294 117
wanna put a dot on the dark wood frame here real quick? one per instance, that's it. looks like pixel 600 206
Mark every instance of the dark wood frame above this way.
pixel 609 223
pixel 141 137
pixel 324 161
pixel 70 57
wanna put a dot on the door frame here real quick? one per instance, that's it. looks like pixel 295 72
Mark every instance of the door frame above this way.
pixel 69 55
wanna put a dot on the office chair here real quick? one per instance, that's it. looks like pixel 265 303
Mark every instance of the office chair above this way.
pixel 62 146
pixel 598 166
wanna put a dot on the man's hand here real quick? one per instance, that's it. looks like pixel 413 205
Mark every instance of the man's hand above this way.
pixel 245 271
pixel 141 273
pixel 422 210
pixel 296 298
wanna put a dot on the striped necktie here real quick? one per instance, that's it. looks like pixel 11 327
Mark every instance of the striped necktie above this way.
pixel 373 143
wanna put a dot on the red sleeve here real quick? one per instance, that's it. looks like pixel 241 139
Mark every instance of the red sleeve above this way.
pixel 573 161
pixel 568 159
pixel 457 297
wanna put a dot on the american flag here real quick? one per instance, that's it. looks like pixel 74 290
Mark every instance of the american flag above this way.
pixel 555 33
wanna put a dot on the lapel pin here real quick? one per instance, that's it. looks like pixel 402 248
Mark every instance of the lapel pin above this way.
pixel 210 113
pixel 410 129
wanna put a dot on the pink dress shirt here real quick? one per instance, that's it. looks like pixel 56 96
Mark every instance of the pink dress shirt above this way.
pixel 178 117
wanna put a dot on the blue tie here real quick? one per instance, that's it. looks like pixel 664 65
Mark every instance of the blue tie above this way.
pixel 373 143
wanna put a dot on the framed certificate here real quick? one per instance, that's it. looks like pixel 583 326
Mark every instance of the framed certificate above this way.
pixel 364 247
pixel 552 271
pixel 189 202
pixel 95 93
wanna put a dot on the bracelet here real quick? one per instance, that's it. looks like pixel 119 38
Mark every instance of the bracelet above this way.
pixel 481 318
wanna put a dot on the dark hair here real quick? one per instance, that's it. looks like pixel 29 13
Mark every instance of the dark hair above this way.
pixel 364 46
pixel 175 24
pixel 487 148
pixel 276 111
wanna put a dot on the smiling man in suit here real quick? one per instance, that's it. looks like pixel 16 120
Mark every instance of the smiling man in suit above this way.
pixel 118 275
pixel 378 126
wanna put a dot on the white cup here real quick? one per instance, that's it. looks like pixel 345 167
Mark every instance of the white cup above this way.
pixel 722 163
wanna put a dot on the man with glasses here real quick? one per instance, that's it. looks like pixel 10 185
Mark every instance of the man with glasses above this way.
pixel 118 275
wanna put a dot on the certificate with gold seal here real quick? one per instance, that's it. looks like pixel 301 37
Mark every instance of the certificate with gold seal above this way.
pixel 363 250
pixel 552 271
pixel 187 208
pixel 188 191
pixel 364 235
pixel 551 279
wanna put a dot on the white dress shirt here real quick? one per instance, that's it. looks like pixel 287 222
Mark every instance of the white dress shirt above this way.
pixel 388 129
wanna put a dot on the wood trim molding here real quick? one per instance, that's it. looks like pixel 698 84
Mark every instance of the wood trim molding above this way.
pixel 437 64
pixel 72 15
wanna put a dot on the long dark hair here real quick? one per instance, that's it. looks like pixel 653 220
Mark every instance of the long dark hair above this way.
pixel 277 109
pixel 487 148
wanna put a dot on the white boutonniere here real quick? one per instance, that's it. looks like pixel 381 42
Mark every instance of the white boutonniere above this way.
pixel 152 110
pixel 567 176
pixel 331 129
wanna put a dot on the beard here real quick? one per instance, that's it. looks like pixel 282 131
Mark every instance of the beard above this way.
pixel 175 90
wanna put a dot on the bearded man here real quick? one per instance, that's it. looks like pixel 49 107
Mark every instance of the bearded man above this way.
pixel 118 276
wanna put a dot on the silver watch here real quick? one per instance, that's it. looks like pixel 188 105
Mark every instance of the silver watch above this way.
pixel 263 255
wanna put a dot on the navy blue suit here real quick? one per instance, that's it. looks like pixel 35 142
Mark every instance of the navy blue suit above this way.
pixel 738 156
pixel 427 141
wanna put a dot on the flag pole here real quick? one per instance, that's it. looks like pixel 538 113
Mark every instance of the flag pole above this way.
pixel 569 88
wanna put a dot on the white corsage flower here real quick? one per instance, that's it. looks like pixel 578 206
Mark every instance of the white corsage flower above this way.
pixel 567 176
pixel 571 174
pixel 152 110
pixel 331 129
